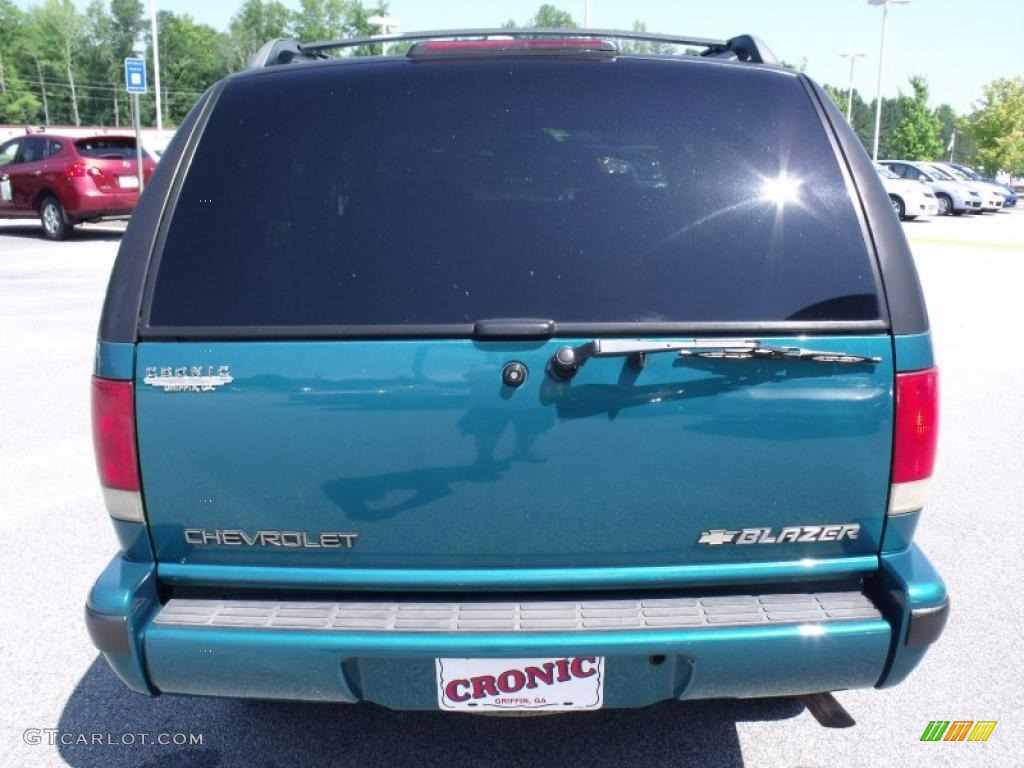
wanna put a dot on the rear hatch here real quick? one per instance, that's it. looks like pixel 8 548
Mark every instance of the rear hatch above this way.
pixel 113 162
pixel 320 381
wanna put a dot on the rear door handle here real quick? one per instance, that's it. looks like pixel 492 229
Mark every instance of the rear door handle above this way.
pixel 37 173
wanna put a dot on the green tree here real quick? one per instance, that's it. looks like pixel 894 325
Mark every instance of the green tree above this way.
pixel 101 96
pixel 893 113
pixel 643 46
pixel 126 24
pixel 59 27
pixel 335 19
pixel 997 126
pixel 838 97
pixel 59 65
pixel 255 23
pixel 863 117
pixel 547 17
pixel 550 17
pixel 109 36
pixel 109 32
pixel 947 118
pixel 17 103
pixel 33 42
pixel 192 57
pixel 917 134
pixel 320 20
pixel 965 147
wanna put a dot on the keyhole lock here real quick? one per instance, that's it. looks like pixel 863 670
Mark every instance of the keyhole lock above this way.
pixel 514 374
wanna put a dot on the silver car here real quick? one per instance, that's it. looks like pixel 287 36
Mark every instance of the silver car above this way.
pixel 952 196
pixel 991 199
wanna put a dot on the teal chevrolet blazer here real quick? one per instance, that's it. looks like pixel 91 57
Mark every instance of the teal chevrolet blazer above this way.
pixel 517 371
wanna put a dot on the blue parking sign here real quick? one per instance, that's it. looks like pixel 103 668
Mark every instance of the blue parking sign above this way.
pixel 135 75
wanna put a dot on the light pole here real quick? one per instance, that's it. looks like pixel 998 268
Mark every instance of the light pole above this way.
pixel 853 55
pixel 156 69
pixel 387 24
pixel 881 63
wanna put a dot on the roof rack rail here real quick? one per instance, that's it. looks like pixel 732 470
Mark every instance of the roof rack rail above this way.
pixel 743 48
pixel 283 51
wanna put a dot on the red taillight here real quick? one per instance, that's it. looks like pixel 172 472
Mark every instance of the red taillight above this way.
pixel 81 170
pixel 917 425
pixel 543 45
pixel 113 433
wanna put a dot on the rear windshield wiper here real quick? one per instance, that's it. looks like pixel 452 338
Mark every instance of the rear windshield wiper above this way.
pixel 568 360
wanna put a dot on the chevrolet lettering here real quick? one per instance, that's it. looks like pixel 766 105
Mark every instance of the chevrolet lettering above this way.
pixel 286 539
pixel 488 407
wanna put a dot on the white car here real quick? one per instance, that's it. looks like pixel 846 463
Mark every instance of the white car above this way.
pixel 910 199
pixel 991 198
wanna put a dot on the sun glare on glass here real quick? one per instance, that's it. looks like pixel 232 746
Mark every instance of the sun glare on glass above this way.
pixel 781 190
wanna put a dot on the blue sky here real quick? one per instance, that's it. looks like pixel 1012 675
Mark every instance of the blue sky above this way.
pixel 941 39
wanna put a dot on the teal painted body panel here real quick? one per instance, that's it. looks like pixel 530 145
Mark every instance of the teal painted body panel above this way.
pixel 457 580
pixel 899 531
pixel 114 360
pixel 122 583
pixel 134 539
pixel 914 352
pixel 397 670
pixel 418 448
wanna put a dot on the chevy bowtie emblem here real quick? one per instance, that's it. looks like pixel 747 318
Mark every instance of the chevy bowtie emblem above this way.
pixel 795 534
pixel 194 378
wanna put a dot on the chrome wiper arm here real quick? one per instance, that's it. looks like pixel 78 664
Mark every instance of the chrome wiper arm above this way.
pixel 567 360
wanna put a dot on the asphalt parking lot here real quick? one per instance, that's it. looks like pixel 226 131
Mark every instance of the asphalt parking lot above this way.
pixel 58 539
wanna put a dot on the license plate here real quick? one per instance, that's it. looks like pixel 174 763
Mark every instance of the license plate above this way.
pixel 552 684
pixel 128 182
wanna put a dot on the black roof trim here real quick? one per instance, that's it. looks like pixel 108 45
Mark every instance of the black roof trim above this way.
pixel 900 282
pixel 855 197
pixel 119 320
pixel 743 48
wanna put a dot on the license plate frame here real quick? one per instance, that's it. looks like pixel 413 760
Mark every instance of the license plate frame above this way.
pixel 551 684
pixel 128 182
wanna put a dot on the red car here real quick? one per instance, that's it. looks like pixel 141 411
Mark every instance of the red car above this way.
pixel 65 180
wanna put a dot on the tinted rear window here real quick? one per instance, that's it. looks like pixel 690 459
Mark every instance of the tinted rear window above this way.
pixel 108 148
pixel 446 192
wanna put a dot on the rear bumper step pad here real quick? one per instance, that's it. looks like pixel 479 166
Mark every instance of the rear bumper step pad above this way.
pixel 658 646
pixel 531 616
